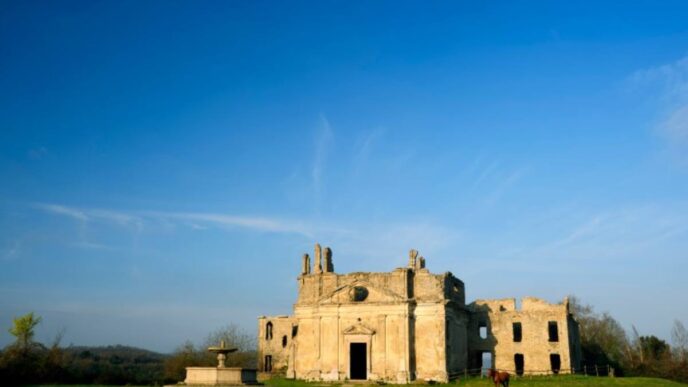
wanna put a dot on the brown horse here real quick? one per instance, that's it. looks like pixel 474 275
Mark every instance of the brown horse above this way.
pixel 498 377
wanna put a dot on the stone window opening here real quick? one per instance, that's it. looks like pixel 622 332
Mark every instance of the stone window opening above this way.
pixel 482 330
pixel 518 333
pixel 294 331
pixel 268 331
pixel 553 330
pixel 555 362
pixel 519 364
pixel 486 362
pixel 359 294
pixel 284 341
pixel 268 363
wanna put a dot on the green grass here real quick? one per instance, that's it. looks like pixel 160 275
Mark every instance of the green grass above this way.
pixel 549 381
pixel 545 381
pixel 573 381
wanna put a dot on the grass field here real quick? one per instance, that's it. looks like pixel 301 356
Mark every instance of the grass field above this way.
pixel 545 381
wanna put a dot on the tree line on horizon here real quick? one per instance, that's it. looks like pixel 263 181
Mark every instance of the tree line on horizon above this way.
pixel 27 362
pixel 603 342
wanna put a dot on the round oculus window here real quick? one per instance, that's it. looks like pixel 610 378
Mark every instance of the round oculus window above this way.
pixel 359 293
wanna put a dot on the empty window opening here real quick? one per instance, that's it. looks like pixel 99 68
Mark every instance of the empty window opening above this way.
pixel 482 330
pixel 519 363
pixel 268 363
pixel 486 362
pixel 555 362
pixel 518 334
pixel 294 331
pixel 359 294
pixel 553 330
pixel 284 341
pixel 268 331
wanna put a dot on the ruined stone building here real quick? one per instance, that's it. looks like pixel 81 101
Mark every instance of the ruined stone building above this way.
pixel 409 324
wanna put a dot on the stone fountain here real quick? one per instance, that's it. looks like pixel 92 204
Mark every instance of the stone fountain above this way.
pixel 220 375
pixel 221 352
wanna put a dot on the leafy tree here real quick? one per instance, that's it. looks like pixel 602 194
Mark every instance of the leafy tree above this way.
pixel 175 365
pixel 23 329
pixel 603 339
pixel 654 348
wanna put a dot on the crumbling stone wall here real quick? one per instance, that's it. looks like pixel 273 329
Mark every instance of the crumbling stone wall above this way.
pixel 547 332
pixel 275 339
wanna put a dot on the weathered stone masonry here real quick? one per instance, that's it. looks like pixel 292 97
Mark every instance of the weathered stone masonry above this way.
pixel 407 325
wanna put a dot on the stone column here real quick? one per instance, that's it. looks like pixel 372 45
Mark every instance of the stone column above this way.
pixel 329 265
pixel 413 255
pixel 318 259
pixel 305 264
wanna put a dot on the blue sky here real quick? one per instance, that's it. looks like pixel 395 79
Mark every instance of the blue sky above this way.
pixel 163 165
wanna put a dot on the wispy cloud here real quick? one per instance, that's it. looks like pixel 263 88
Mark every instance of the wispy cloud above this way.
pixel 625 233
pixel 505 182
pixel 195 220
pixel 323 143
pixel 484 172
pixel 13 251
pixel 669 83
pixel 69 212
pixel 492 179
pixel 675 127
pixel 90 215
pixel 92 246
pixel 672 78
pixel 249 222
pixel 364 147
pixel 378 242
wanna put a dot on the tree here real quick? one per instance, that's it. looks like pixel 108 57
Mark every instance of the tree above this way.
pixel 679 337
pixel 23 329
pixel 603 339
pixel 233 336
pixel 654 348
pixel 175 366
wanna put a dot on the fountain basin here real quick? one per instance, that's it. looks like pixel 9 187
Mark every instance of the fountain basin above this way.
pixel 216 376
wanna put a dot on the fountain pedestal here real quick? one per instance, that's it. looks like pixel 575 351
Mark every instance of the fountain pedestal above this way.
pixel 220 375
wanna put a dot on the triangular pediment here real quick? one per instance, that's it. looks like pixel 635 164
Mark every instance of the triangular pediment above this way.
pixel 359 329
pixel 347 294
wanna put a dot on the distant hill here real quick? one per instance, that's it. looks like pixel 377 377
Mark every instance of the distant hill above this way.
pixel 114 352
pixel 116 364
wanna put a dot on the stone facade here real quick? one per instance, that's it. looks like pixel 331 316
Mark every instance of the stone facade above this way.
pixel 544 336
pixel 407 325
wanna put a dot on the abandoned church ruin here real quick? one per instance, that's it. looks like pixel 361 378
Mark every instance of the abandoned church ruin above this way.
pixel 407 325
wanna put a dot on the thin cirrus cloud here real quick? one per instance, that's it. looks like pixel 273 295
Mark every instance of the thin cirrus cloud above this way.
pixel 248 222
pixel 69 212
pixel 373 241
pixel 322 146
pixel 669 84
pixel 139 219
